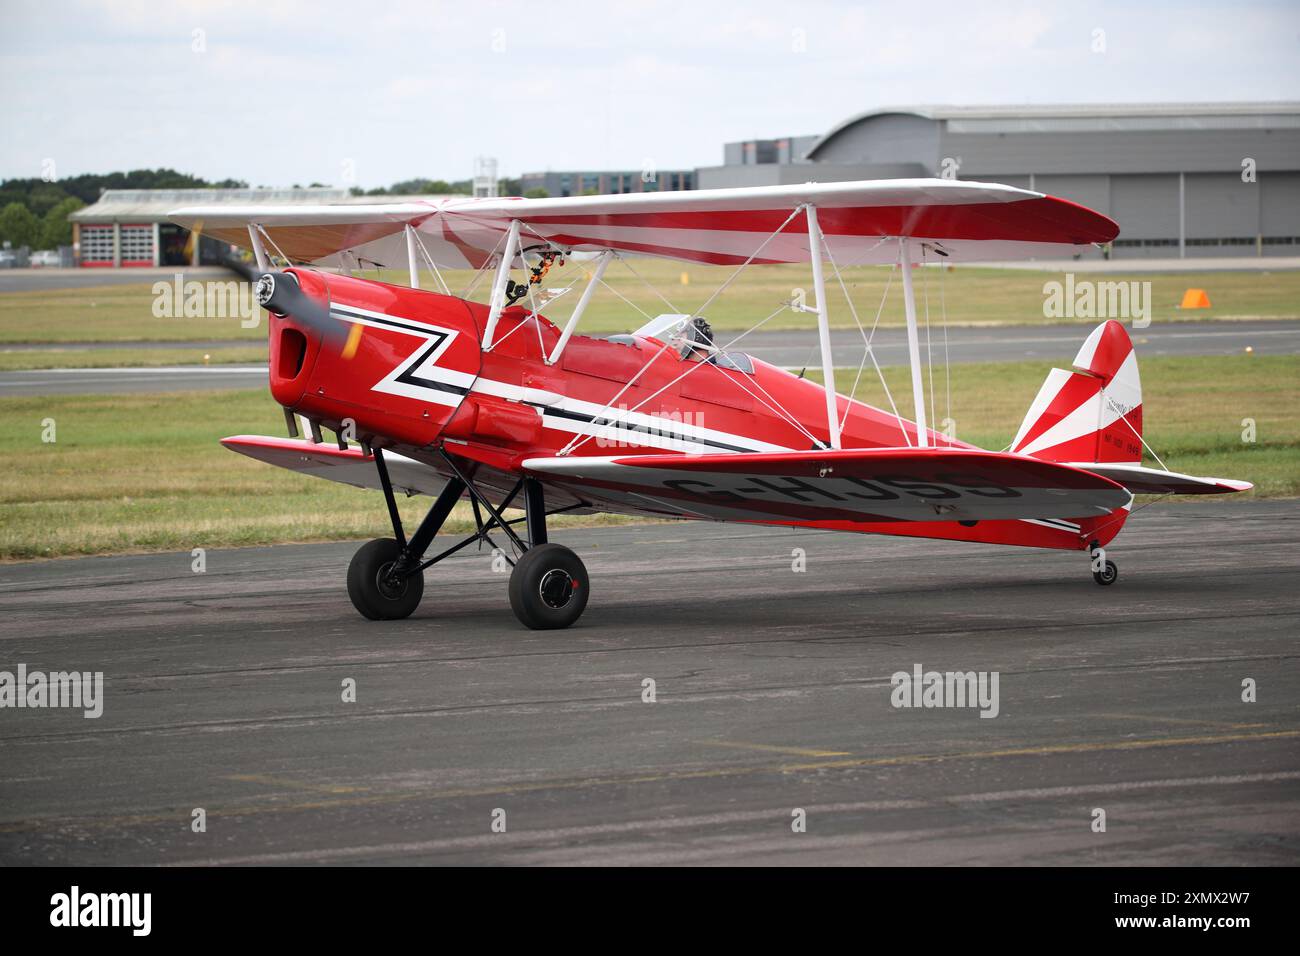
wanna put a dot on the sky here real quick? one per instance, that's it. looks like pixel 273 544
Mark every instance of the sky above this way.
pixel 368 94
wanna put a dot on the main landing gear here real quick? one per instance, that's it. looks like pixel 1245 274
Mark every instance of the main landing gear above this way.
pixel 1104 571
pixel 548 584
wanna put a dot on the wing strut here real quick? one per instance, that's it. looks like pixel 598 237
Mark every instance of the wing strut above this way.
pixel 259 250
pixel 823 324
pixel 498 301
pixel 580 307
pixel 913 345
pixel 411 261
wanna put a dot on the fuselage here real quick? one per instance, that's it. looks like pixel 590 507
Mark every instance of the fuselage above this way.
pixel 418 364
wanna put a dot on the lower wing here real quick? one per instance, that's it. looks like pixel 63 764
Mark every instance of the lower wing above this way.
pixel 866 485
pixel 349 466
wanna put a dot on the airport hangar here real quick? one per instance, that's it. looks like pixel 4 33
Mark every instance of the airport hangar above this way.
pixel 1185 180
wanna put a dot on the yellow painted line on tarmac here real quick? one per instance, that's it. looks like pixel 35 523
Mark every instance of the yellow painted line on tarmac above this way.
pixel 771 748
pixel 653 778
pixel 1046 750
pixel 292 784
pixel 1184 720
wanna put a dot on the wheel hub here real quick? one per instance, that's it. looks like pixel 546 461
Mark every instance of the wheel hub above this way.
pixel 390 585
pixel 556 588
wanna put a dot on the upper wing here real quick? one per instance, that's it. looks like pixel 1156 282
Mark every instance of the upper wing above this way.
pixel 306 233
pixel 869 485
pixel 960 220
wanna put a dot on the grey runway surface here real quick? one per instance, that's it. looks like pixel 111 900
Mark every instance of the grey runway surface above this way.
pixel 35 280
pixel 1012 343
pixel 223 692
pixel 107 381
pixel 788 349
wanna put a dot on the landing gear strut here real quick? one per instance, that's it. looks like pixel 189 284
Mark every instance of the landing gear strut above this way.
pixel 548 584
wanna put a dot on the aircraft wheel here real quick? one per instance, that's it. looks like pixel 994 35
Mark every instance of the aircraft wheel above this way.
pixel 548 587
pixel 372 593
pixel 1108 575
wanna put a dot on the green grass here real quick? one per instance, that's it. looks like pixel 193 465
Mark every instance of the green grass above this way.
pixel 972 295
pixel 114 313
pixel 146 472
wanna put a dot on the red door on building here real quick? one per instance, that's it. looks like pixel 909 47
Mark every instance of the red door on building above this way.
pixel 96 245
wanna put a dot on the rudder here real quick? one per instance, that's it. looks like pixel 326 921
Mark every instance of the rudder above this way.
pixel 1092 414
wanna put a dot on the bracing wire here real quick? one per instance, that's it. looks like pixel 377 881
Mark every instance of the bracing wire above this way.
pixel 482 270
pixel 1128 514
pixel 1123 417
pixel 649 285
pixel 446 289
pixel 752 256
pixel 868 339
pixel 643 312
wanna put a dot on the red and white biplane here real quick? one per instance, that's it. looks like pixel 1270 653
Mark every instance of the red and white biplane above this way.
pixel 453 398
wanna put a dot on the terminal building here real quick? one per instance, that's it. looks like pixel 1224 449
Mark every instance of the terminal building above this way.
pixel 1214 179
pixel 606 182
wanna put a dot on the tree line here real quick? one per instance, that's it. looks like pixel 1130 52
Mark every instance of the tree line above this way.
pixel 34 212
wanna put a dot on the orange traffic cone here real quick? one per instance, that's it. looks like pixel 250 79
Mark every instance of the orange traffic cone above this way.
pixel 1195 299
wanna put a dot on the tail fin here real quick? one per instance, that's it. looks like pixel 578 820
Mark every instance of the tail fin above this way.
pixel 1092 414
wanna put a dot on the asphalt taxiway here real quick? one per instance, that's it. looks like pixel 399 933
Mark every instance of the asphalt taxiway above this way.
pixel 40 280
pixel 772 695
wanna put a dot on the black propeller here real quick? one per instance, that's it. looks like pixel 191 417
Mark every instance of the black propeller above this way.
pixel 281 293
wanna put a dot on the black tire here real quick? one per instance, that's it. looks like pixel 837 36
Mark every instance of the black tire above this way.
pixel 377 601
pixel 1108 575
pixel 549 587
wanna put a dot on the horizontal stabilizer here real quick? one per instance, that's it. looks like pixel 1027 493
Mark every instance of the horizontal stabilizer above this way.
pixel 1151 481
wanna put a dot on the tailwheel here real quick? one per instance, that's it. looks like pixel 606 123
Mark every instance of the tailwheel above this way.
pixel 375 591
pixel 548 587
pixel 1108 574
